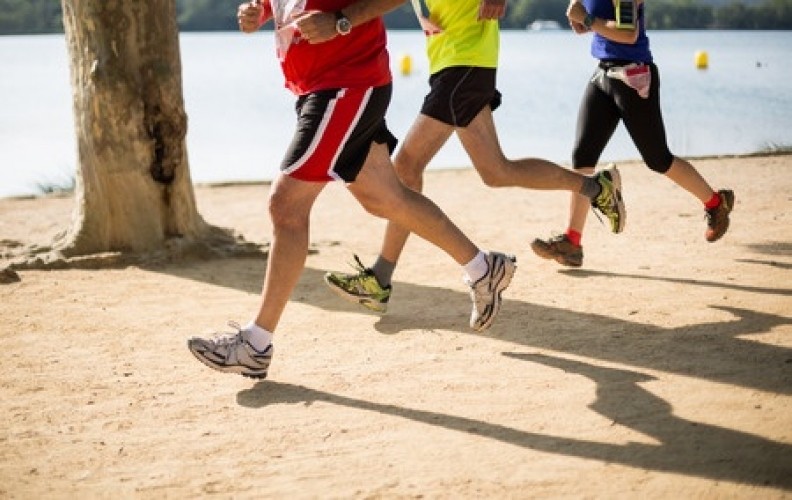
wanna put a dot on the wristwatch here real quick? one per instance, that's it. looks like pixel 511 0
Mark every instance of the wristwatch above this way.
pixel 588 20
pixel 343 24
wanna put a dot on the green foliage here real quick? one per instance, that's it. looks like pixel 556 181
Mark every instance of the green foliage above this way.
pixel 30 16
pixel 521 13
pixel 207 15
pixel 678 14
pixel 44 16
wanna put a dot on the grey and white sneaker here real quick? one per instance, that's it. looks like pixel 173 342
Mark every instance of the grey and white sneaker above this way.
pixel 486 292
pixel 232 353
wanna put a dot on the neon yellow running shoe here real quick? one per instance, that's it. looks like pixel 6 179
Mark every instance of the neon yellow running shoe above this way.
pixel 361 287
pixel 609 201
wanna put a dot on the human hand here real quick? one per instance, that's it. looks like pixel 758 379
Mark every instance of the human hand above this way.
pixel 491 9
pixel 578 28
pixel 576 12
pixel 316 27
pixel 249 16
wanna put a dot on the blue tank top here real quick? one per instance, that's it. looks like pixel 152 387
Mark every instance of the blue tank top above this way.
pixel 602 48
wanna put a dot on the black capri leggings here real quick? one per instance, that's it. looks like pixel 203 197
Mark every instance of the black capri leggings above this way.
pixel 608 100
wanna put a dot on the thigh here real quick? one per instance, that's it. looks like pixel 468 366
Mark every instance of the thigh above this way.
pixel 480 140
pixel 377 182
pixel 422 142
pixel 598 118
pixel 643 120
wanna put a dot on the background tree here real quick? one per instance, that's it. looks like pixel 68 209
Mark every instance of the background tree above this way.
pixel 133 191
pixel 43 16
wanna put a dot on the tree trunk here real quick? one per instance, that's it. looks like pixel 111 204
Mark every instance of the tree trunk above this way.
pixel 134 199
pixel 133 186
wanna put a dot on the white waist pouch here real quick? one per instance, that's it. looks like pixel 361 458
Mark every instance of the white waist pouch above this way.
pixel 636 75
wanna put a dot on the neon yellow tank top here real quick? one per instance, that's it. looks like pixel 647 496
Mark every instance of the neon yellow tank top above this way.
pixel 465 41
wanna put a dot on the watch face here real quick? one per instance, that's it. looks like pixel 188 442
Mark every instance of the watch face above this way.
pixel 343 26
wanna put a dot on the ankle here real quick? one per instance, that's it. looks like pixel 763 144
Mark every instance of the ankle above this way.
pixel 574 237
pixel 714 201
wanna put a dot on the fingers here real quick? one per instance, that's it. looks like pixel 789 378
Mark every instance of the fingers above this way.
pixel 492 9
pixel 576 12
pixel 249 15
pixel 316 27
pixel 578 28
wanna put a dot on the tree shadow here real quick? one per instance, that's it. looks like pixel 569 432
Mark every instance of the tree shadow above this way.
pixel 716 351
pixel 686 447
pixel 587 273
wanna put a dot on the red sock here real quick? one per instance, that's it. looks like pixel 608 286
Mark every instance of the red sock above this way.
pixel 713 202
pixel 573 236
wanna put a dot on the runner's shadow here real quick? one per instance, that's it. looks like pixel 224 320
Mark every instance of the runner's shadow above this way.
pixel 716 351
pixel 686 447
pixel 771 263
pixel 586 273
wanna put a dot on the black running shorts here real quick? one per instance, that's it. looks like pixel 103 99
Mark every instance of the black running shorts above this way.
pixel 457 94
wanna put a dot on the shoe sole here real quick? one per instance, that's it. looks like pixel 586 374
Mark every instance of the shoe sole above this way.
pixel 509 268
pixel 541 249
pixel 370 304
pixel 730 204
pixel 617 187
pixel 245 371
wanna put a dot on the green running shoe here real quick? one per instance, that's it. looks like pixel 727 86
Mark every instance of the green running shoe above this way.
pixel 361 287
pixel 609 201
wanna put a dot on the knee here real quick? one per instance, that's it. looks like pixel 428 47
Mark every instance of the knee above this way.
pixel 284 215
pixel 376 204
pixel 495 174
pixel 660 165
pixel 410 171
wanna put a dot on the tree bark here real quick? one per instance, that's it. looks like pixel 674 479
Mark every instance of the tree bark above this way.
pixel 133 186
pixel 134 198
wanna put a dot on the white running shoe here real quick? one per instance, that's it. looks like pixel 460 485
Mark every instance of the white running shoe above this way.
pixel 232 353
pixel 486 292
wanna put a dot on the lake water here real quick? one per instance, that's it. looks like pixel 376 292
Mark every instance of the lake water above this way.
pixel 241 117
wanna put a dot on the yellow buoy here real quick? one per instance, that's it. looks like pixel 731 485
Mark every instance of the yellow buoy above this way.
pixel 406 65
pixel 701 59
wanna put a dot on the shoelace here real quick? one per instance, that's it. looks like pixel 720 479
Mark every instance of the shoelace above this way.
pixel 711 215
pixel 610 201
pixel 358 265
pixel 362 272
pixel 224 339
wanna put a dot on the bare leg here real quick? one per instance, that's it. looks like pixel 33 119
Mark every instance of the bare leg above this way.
pixel 290 206
pixel 382 194
pixel 424 139
pixel 579 205
pixel 688 178
pixel 480 140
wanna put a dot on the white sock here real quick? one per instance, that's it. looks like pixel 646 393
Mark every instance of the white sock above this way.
pixel 259 338
pixel 477 268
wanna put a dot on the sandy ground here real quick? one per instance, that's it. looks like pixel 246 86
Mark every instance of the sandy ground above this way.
pixel 661 369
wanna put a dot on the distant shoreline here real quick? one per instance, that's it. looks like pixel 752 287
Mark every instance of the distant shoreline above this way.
pixel 786 151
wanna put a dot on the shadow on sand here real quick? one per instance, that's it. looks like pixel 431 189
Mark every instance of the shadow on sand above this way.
pixel 714 351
